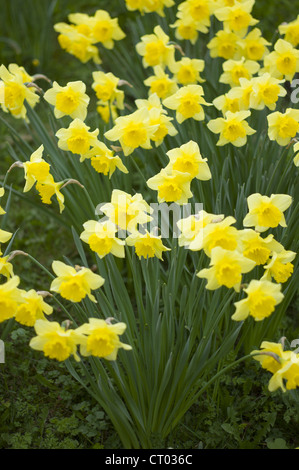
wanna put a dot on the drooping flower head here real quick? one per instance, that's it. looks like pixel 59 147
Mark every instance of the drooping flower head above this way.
pixel 75 284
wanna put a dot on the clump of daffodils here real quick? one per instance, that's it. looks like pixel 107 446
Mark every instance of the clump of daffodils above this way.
pixel 174 104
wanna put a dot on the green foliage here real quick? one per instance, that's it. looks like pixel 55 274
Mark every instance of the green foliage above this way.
pixel 42 407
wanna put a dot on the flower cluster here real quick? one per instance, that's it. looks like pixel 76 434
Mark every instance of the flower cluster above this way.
pixel 284 365
pixel 234 252
pixel 80 37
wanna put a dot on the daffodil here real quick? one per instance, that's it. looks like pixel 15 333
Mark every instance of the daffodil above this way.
pixel 226 269
pixel 105 85
pixel 101 339
pixel 37 169
pixel 133 131
pixel 232 128
pixel 75 284
pixel 216 234
pixel 185 29
pixel 254 46
pixel 284 365
pixel 55 341
pixel 224 44
pixel 188 103
pixel 157 6
pixel 32 308
pixel 237 18
pixel 77 138
pixel 272 356
pixel 198 11
pixel 172 186
pixel 289 372
pixel 262 297
pixel 70 100
pixel 101 237
pixel 187 71
pixel 280 267
pixel 283 126
pixel 283 62
pixel 147 245
pixel 10 297
pixel 290 31
pixel 14 92
pixel 155 48
pixel 47 188
pixel 265 92
pixel 6 268
pixel 78 41
pixel 103 28
pixel 103 159
pixel 266 212
pixel 161 83
pixel 257 248
pixel 192 228
pixel 127 211
pixel 188 159
pixel 236 69
pixel 228 102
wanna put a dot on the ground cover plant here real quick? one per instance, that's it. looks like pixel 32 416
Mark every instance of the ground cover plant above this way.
pixel 169 158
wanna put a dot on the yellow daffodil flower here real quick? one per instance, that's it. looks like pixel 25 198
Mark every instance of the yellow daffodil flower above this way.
pixel 265 92
pixel 187 71
pixel 70 100
pixel 232 128
pixel 100 339
pixel 127 211
pixel 14 92
pixel 237 18
pixel 262 297
pixel 266 212
pixel 47 188
pixel 160 83
pixel 10 297
pixel 77 138
pixel 236 69
pixel 254 46
pixel 257 248
pixel 36 169
pixel 283 126
pixel 188 159
pixel 75 284
pixel 224 44
pixel 280 266
pixel 226 269
pixel 32 308
pixel 105 86
pixel 101 238
pixel 147 245
pixel 172 186
pixel 291 31
pixel 133 131
pixel 155 49
pixel 283 62
pixel 188 102
pixel 55 342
